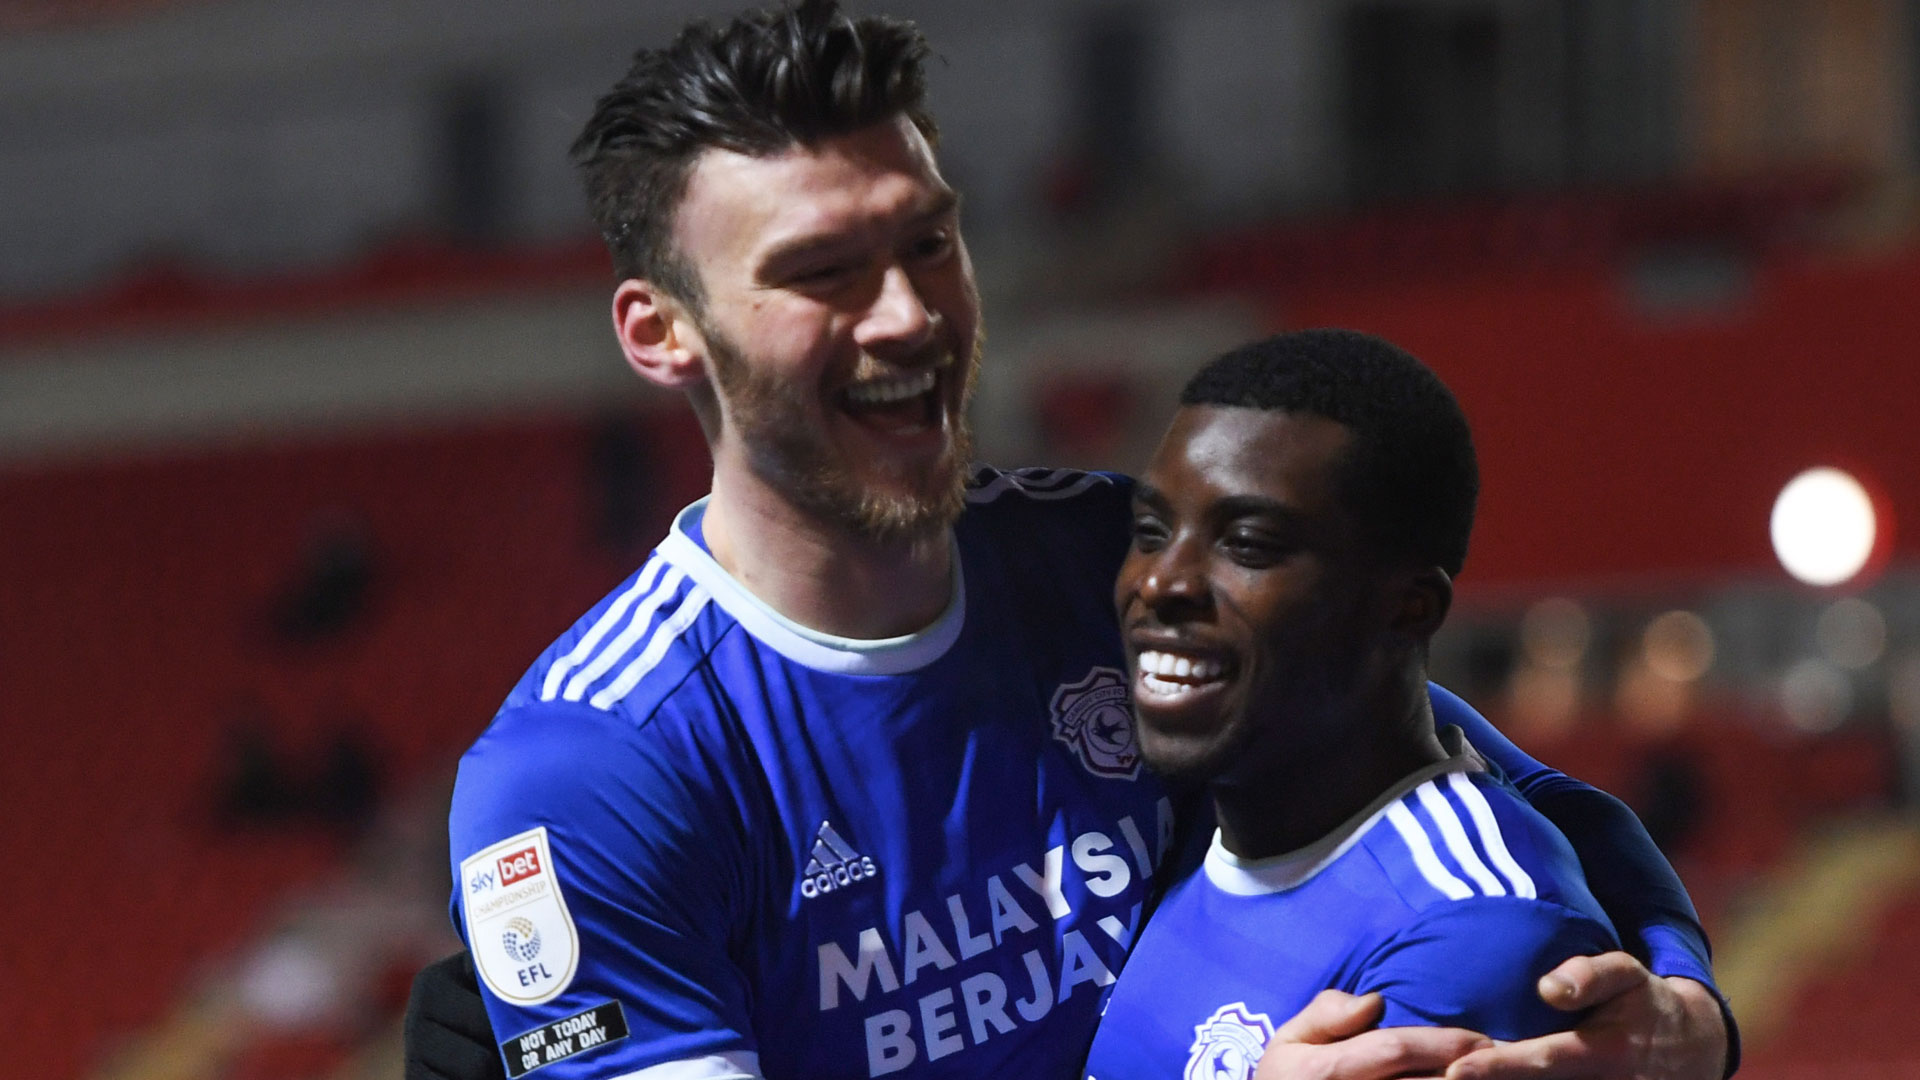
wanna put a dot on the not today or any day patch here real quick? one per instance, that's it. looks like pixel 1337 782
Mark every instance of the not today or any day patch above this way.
pixel 564 1038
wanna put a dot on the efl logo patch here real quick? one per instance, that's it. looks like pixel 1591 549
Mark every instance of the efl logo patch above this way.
pixel 1094 718
pixel 1229 1044
pixel 522 937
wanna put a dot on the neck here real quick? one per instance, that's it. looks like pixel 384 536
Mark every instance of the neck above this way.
pixel 1368 751
pixel 821 574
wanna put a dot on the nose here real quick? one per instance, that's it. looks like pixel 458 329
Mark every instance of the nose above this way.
pixel 898 319
pixel 1172 582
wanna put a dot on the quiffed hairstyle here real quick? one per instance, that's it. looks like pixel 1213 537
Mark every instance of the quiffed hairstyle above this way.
pixel 758 85
pixel 1411 476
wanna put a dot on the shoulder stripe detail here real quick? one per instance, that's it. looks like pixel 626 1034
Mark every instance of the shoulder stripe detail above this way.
pixel 1040 484
pixel 630 635
pixel 1490 837
pixel 1455 834
pixel 1424 857
pixel 590 641
pixel 657 646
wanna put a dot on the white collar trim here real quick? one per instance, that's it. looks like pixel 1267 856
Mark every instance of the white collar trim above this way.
pixel 805 645
pixel 1278 873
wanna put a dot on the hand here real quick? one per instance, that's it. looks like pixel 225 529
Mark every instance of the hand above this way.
pixel 1642 1027
pixel 447 1033
pixel 1331 1039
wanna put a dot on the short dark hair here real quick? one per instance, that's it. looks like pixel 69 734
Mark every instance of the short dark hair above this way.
pixel 1411 477
pixel 758 85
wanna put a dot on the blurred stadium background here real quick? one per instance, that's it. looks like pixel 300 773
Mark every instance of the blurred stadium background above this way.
pixel 312 434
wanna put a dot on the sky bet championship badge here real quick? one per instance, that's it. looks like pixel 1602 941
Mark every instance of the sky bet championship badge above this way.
pixel 518 927
pixel 1095 719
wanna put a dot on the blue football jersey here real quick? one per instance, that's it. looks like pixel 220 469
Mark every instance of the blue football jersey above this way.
pixel 702 837
pixel 1449 895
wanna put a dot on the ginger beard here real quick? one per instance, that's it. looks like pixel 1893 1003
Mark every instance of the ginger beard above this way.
pixel 789 449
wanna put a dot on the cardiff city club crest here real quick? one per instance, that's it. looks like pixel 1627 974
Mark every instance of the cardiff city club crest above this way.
pixel 1095 719
pixel 1229 1044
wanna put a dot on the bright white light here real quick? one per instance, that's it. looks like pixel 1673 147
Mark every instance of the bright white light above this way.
pixel 1823 527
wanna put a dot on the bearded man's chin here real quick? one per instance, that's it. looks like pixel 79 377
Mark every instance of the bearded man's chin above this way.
pixel 920 519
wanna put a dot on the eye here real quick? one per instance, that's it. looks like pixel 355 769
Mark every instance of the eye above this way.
pixel 1255 549
pixel 826 275
pixel 1149 533
pixel 933 247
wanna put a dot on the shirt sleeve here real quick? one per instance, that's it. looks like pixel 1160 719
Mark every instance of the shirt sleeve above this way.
pixel 598 882
pixel 1628 875
pixel 1474 964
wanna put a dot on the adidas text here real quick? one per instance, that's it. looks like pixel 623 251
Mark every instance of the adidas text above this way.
pixel 835 865
pixel 838 877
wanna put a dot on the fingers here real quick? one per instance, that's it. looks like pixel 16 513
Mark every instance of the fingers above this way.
pixel 1371 1055
pixel 1330 1040
pixel 1330 1017
pixel 1402 1051
pixel 1586 981
pixel 1565 1056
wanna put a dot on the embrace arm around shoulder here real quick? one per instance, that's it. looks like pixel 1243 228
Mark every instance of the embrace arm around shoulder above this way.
pixel 1625 871
pixel 1476 963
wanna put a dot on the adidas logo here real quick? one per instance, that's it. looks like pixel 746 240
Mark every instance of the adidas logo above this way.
pixel 834 865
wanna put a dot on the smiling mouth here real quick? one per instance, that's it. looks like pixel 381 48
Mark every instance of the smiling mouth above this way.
pixel 1166 677
pixel 899 403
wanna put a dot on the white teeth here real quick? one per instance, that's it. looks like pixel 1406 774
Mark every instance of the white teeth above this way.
pixel 1154 686
pixel 885 391
pixel 1164 666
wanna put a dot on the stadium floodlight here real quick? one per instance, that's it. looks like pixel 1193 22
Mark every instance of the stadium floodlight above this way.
pixel 1824 527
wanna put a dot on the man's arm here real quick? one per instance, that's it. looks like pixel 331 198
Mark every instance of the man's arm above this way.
pixel 1641 1026
pixel 1633 882
pixel 1626 872
pixel 1665 1024
pixel 1471 963
pixel 1647 904
pixel 597 881
pixel 1632 1032
pixel 1475 964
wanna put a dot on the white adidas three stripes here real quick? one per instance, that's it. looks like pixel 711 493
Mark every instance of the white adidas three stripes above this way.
pixel 1504 878
pixel 634 613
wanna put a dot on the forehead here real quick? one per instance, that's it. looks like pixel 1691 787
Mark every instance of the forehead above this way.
pixel 740 203
pixel 1222 452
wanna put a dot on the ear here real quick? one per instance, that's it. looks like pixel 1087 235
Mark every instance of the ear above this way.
pixel 657 336
pixel 1423 598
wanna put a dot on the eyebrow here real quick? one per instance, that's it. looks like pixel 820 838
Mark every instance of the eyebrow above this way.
pixel 946 203
pixel 1231 506
pixel 1144 492
pixel 1239 506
